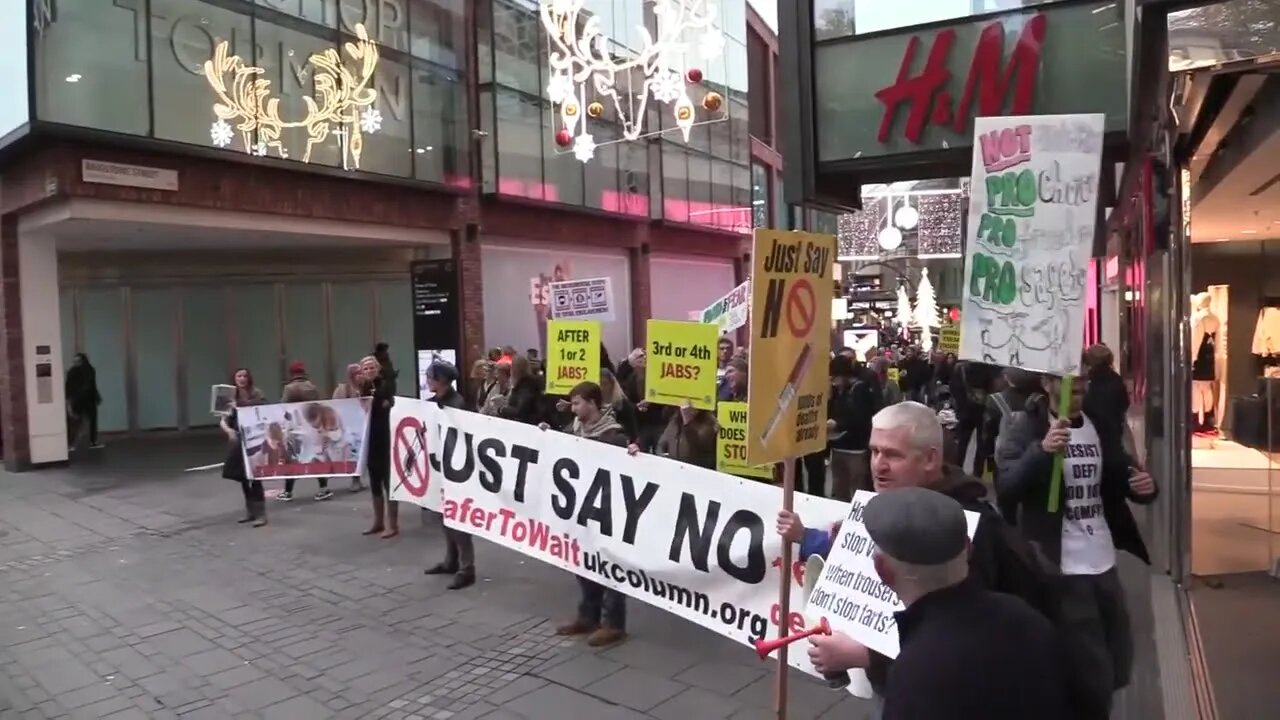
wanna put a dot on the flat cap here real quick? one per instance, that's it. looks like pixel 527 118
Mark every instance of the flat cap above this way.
pixel 916 525
pixel 442 371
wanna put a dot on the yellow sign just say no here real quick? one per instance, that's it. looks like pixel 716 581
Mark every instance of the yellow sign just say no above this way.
pixel 573 354
pixel 680 366
pixel 790 344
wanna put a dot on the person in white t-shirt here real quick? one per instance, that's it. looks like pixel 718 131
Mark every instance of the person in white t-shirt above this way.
pixel 1081 530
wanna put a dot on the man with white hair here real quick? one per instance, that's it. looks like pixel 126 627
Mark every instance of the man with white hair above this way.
pixel 906 451
pixel 967 653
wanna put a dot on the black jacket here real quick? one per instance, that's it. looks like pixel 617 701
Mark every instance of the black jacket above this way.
pixel 452 399
pixel 999 559
pixel 652 419
pixel 972 654
pixel 525 403
pixel 852 408
pixel 1024 470
pixel 1107 395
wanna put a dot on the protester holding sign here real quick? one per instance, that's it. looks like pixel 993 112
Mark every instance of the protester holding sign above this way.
pixel 907 451
pixel 380 388
pixel 854 401
pixel 460 554
pixel 651 419
pixel 1090 520
pixel 602 612
pixel 233 468
pixel 952 626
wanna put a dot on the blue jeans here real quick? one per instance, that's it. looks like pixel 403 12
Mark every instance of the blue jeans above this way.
pixel 602 606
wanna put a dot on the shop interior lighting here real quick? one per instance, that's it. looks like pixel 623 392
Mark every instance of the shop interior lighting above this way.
pixel 593 79
pixel 342 105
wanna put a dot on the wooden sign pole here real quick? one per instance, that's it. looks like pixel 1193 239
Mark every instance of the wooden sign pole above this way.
pixel 784 591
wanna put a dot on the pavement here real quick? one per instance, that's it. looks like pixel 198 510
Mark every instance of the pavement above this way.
pixel 128 591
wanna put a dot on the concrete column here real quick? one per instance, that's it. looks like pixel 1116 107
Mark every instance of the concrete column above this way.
pixel 31 370
pixel 465 247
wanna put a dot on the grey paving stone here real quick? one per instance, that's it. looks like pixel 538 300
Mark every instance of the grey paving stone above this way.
pixel 580 671
pixel 298 708
pixel 694 703
pixel 554 701
pixel 723 678
pixel 87 695
pixel 180 643
pixel 635 689
pixel 212 661
pixel 243 674
pixel 262 693
pixel 67 676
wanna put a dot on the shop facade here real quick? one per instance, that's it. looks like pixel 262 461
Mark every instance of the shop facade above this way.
pixel 190 186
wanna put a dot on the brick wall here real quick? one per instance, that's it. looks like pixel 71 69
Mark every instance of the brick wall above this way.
pixel 13 387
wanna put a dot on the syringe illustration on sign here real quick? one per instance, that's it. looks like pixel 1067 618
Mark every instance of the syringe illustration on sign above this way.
pixel 789 391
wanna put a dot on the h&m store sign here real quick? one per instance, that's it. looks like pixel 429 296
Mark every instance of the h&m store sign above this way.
pixel 919 91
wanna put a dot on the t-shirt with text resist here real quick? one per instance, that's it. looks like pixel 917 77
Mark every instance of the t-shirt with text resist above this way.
pixel 1087 547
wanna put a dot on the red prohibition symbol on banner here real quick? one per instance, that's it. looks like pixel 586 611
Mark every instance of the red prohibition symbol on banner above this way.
pixel 802 308
pixel 409 456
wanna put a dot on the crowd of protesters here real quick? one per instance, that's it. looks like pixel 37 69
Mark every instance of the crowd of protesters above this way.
pixel 1032 600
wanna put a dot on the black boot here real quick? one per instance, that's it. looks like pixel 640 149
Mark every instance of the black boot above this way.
pixel 248 513
pixel 443 568
pixel 465 578
pixel 259 513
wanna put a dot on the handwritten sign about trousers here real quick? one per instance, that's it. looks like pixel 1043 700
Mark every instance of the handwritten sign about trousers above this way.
pixel 590 299
pixel 729 312
pixel 850 593
pixel 681 364
pixel 324 438
pixel 790 343
pixel 1031 230
pixel 731 442
pixel 573 354
pixel 693 542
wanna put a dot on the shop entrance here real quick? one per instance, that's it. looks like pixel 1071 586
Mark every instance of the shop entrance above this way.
pixel 165 304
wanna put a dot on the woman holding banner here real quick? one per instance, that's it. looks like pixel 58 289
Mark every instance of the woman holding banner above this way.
pixel 233 467
pixel 380 387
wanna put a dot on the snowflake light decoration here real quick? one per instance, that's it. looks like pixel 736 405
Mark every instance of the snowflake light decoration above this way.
pixel 371 120
pixel 221 134
pixel 584 61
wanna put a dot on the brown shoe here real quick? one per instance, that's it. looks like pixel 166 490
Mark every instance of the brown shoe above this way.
pixel 577 627
pixel 606 636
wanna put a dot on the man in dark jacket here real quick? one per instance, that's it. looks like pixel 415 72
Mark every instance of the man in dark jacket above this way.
pixel 1002 407
pixel 1081 530
pixel 966 652
pixel 907 451
pixel 855 399
pixel 460 554
pixel 602 612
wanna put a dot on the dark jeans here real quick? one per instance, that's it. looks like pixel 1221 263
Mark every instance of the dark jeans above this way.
pixel 252 490
pixel 968 427
pixel 602 606
pixel 288 484
pixel 76 423
pixel 460 550
pixel 1099 640
pixel 815 468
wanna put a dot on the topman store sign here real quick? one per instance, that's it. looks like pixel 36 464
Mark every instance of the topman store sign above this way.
pixel 918 91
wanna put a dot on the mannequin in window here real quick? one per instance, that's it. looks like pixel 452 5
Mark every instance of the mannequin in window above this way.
pixel 1204 339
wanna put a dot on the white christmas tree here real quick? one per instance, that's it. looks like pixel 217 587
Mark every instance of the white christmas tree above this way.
pixel 926 315
pixel 904 318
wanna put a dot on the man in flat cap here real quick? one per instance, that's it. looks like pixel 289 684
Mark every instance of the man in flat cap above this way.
pixel 460 555
pixel 907 452
pixel 966 653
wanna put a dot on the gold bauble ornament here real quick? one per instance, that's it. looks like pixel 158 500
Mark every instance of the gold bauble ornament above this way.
pixel 712 101
pixel 571 109
pixel 595 109
pixel 684 112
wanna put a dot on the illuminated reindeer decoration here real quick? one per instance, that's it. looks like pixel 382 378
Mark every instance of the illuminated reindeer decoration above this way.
pixel 579 55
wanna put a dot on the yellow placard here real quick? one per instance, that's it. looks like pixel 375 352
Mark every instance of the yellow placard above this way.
pixel 892 374
pixel 573 354
pixel 790 345
pixel 731 442
pixel 949 339
pixel 680 366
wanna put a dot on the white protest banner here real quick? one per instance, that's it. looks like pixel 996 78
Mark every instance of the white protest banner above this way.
pixel 324 438
pixel 730 311
pixel 849 593
pixel 694 542
pixel 1031 231
pixel 590 299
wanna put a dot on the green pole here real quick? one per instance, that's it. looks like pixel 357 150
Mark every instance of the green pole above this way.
pixel 1064 409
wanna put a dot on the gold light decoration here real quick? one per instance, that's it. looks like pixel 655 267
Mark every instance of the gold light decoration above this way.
pixel 342 98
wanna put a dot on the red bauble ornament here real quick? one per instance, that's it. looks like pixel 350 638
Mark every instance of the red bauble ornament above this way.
pixel 563 138
pixel 694 75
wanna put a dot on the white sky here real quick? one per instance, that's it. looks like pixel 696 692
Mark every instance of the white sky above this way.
pixel 767 10
pixel 873 15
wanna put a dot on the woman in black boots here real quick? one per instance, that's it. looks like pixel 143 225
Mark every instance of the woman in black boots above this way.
pixel 380 388
pixel 233 467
